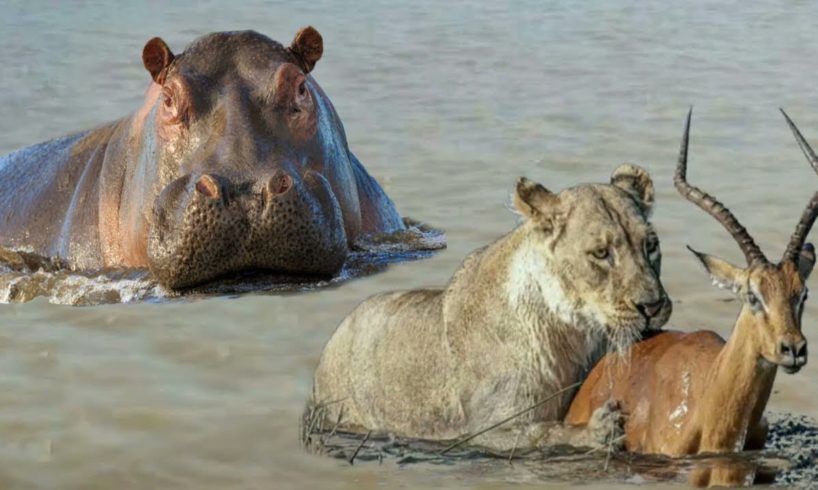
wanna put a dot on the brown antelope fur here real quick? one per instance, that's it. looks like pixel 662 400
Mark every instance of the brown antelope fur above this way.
pixel 690 393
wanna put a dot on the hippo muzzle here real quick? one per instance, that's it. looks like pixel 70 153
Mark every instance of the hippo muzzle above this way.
pixel 206 226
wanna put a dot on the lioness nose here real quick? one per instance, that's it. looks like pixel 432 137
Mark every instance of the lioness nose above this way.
pixel 650 310
pixel 795 353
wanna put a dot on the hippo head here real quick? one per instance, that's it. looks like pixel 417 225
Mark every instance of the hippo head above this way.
pixel 232 152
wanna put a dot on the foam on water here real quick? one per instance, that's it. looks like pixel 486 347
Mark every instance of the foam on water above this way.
pixel 25 275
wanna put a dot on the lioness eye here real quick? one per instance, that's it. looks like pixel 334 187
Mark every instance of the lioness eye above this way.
pixel 601 253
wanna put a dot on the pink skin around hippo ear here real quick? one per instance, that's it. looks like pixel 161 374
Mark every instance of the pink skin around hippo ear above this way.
pixel 293 99
pixel 157 56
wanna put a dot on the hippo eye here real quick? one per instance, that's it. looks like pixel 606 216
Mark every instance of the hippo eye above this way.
pixel 302 89
pixel 601 253
pixel 174 109
pixel 167 98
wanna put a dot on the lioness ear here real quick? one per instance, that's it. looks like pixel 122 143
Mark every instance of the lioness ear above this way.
pixel 307 46
pixel 156 56
pixel 534 201
pixel 635 181
pixel 724 274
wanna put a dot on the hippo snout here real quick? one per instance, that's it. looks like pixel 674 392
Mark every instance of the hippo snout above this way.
pixel 205 227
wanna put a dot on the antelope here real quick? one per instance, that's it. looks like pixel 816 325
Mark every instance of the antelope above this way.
pixel 691 393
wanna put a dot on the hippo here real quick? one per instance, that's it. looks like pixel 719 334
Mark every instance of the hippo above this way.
pixel 235 161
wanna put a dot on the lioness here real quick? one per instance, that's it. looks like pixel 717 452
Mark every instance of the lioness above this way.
pixel 522 318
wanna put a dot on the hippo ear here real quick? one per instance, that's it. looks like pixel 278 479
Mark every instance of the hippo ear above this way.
pixel 635 181
pixel 307 46
pixel 156 56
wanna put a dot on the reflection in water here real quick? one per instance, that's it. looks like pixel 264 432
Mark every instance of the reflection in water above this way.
pixel 547 464
pixel 730 471
pixel 25 276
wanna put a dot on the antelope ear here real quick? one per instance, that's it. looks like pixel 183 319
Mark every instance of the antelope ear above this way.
pixel 533 201
pixel 307 46
pixel 157 56
pixel 806 261
pixel 724 274
pixel 635 181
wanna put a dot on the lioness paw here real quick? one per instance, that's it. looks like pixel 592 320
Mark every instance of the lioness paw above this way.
pixel 607 426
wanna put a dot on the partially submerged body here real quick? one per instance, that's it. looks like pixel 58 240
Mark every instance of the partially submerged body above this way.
pixel 696 412
pixel 522 319
pixel 236 161
pixel 694 393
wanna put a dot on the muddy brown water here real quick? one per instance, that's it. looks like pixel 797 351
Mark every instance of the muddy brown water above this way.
pixel 446 106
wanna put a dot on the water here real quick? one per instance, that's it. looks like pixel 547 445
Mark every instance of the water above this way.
pixel 446 106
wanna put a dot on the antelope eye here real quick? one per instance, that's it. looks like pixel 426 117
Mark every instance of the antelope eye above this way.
pixel 601 253
pixel 752 300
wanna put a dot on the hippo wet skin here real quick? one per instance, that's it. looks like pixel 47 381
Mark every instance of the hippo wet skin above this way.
pixel 236 160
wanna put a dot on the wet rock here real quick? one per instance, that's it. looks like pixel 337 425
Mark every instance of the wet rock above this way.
pixel 795 437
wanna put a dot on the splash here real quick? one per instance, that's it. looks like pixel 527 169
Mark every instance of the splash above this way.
pixel 25 275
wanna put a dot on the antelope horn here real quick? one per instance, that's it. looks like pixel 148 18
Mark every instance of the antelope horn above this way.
pixel 711 206
pixel 811 211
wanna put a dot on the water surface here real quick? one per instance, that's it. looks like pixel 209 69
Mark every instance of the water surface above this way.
pixel 446 106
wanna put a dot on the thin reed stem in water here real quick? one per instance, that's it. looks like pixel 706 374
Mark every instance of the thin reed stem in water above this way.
pixel 508 419
pixel 358 449
pixel 514 447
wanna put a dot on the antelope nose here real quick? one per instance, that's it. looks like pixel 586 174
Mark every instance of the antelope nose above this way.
pixel 650 310
pixel 277 185
pixel 794 354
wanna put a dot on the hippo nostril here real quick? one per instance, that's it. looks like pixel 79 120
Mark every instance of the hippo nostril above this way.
pixel 278 184
pixel 208 187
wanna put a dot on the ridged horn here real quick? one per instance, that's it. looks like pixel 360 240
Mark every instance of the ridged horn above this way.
pixel 711 206
pixel 804 226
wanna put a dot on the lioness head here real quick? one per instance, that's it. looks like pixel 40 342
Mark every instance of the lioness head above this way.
pixel 592 255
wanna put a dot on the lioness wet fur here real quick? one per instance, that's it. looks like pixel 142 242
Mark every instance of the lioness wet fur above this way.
pixel 522 318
